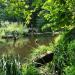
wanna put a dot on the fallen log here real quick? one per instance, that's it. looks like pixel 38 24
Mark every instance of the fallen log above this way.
pixel 6 37
pixel 43 60
pixel 9 37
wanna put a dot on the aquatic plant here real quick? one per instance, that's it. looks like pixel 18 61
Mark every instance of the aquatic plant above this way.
pixel 10 65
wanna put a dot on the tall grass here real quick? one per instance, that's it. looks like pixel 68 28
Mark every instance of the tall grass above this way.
pixel 29 69
pixel 10 65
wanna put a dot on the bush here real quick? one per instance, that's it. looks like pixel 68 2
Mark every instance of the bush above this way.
pixel 70 70
pixel 64 54
pixel 29 70
pixel 71 52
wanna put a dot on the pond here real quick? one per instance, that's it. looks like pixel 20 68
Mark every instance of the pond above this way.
pixel 22 46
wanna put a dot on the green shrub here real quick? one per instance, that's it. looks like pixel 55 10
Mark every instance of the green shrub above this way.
pixel 31 70
pixel 70 70
pixel 64 54
pixel 71 52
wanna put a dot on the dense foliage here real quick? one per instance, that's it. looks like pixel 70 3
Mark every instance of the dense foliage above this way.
pixel 42 13
pixel 45 15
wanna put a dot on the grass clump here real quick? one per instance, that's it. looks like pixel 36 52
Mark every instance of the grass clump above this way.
pixel 40 50
pixel 29 70
pixel 10 65
pixel 69 70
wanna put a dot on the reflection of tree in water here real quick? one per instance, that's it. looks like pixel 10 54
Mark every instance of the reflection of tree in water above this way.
pixel 23 46
pixel 11 36
pixel 15 37
pixel 14 41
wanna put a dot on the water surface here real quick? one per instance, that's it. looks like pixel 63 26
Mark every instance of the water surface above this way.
pixel 22 46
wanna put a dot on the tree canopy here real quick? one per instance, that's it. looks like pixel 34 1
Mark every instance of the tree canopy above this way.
pixel 52 14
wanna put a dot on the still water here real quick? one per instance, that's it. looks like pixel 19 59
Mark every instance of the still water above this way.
pixel 23 46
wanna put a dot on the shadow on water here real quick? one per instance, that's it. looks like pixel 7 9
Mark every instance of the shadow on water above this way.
pixel 22 46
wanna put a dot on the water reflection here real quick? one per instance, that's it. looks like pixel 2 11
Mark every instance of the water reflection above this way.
pixel 22 46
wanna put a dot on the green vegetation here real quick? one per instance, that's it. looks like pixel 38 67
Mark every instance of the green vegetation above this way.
pixel 26 19
pixel 10 65
pixel 63 61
